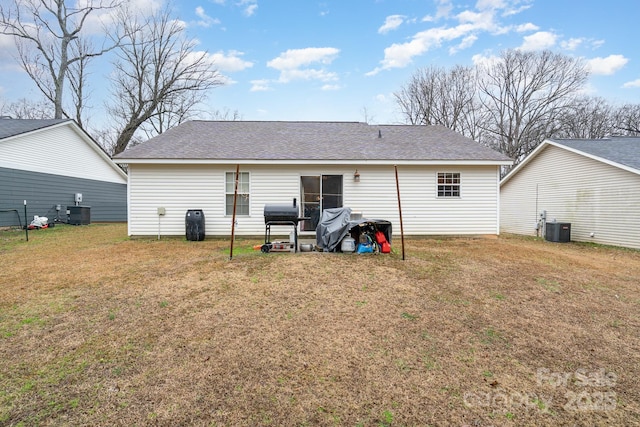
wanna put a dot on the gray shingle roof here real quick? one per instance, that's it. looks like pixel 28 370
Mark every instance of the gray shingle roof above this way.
pixel 624 150
pixel 263 140
pixel 13 127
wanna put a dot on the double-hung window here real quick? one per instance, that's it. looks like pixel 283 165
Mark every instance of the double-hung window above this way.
pixel 242 202
pixel 448 184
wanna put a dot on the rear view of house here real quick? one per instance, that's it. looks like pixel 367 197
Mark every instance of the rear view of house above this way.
pixel 449 184
pixel 53 164
pixel 592 184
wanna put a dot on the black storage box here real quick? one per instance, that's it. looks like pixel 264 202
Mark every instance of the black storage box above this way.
pixel 194 224
pixel 559 232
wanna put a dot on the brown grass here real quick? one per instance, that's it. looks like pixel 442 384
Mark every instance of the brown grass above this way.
pixel 98 329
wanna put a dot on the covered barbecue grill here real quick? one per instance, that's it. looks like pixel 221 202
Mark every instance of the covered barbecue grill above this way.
pixel 281 215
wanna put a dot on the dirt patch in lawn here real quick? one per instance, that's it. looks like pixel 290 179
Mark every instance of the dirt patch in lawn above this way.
pixel 98 329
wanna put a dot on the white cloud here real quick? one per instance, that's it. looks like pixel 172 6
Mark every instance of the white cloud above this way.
pixel 251 9
pixel 294 58
pixel 444 8
pixel 572 43
pixel 260 86
pixel 466 42
pixel 205 20
pixel 470 23
pixel 399 55
pixel 292 62
pixel 539 41
pixel 607 66
pixel 331 87
pixel 289 75
pixel 490 4
pixel 524 28
pixel 391 23
pixel 632 84
pixel 484 61
pixel 478 19
pixel 231 61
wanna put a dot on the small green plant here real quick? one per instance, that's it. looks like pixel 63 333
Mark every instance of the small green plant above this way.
pixel 429 362
pixel 27 386
pixel 540 404
pixel 164 304
pixel 360 303
pixel 509 416
pixel 491 336
pixel 402 365
pixel 550 285
pixel 387 419
pixel 487 374
pixel 498 296
pixel 409 316
pixel 112 315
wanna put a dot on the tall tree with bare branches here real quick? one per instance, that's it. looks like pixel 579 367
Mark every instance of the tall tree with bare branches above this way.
pixel 627 119
pixel 589 117
pixel 50 40
pixel 159 78
pixel 511 103
pixel 524 94
pixel 439 96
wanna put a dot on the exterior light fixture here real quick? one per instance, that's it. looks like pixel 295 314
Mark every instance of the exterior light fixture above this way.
pixel 356 176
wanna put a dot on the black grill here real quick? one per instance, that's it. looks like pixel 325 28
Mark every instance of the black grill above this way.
pixel 281 213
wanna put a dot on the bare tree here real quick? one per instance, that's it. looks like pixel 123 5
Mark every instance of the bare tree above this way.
pixel 437 96
pixel 158 79
pixel 627 119
pixel 27 109
pixel 588 117
pixel 45 32
pixel 77 75
pixel 523 94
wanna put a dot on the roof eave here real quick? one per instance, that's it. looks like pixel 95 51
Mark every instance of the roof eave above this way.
pixel 425 162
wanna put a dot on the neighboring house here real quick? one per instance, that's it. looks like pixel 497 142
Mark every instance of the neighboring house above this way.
pixel 594 184
pixel 47 162
pixel 449 184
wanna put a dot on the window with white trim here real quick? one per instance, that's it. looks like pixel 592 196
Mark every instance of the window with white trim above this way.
pixel 448 184
pixel 242 202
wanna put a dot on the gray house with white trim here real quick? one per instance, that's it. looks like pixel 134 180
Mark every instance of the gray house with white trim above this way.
pixel 47 162
pixel 449 184
pixel 594 184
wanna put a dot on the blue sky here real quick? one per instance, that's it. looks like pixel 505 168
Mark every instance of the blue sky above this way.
pixel 334 59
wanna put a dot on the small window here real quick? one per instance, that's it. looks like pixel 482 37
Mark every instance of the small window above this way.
pixel 448 184
pixel 242 202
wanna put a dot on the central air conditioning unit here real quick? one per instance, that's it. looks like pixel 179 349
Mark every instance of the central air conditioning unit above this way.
pixel 558 232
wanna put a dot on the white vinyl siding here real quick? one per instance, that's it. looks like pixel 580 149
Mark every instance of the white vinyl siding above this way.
pixel 593 196
pixel 59 150
pixel 181 187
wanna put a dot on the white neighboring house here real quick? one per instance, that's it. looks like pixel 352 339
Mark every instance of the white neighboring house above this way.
pixel 47 162
pixel 594 184
pixel 449 184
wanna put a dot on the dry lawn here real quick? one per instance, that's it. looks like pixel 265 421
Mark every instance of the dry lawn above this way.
pixel 99 329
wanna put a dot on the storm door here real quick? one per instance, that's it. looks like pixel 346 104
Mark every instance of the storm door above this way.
pixel 318 193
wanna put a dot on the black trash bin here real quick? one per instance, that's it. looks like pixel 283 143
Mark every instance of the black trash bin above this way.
pixel 559 232
pixel 194 224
